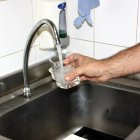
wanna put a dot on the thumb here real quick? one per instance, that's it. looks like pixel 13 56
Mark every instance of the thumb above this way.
pixel 73 74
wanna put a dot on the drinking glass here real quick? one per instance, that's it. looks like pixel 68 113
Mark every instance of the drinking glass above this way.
pixel 59 72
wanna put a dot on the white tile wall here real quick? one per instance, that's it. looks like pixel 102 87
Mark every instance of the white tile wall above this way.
pixel 15 25
pixel 14 62
pixel 116 22
pixel 34 8
pixel 103 50
pixel 85 32
pixel 43 55
pixel 46 9
pixel 82 47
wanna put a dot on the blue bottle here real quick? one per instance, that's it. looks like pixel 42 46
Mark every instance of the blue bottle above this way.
pixel 62 21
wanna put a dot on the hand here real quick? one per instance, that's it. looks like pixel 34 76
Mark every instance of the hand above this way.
pixel 77 60
pixel 87 68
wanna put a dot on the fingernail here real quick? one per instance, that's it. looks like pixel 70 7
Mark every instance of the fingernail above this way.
pixel 67 78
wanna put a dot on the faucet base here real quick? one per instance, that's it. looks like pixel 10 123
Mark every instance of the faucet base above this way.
pixel 27 92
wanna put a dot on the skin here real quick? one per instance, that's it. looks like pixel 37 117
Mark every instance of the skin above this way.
pixel 124 63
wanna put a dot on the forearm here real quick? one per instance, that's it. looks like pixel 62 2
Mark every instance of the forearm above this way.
pixel 123 63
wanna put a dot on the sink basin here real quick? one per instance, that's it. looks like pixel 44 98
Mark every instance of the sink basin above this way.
pixel 52 114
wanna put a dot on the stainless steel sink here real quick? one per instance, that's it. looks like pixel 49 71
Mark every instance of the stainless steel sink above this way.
pixel 52 113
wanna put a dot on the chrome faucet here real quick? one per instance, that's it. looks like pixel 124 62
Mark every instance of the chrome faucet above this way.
pixel 46 23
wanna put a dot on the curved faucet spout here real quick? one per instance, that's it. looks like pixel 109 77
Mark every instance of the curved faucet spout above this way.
pixel 46 23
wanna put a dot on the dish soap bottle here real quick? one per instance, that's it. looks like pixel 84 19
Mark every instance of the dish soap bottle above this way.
pixel 62 21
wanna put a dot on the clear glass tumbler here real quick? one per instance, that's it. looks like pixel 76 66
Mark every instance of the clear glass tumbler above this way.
pixel 59 73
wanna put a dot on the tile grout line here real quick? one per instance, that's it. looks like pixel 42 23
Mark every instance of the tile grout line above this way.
pixel 34 13
pixel 137 28
pixel 22 49
pixel 137 22
pixel 16 52
pixel 94 53
pixel 11 54
pixel 99 42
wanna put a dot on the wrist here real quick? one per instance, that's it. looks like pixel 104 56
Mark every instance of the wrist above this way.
pixel 109 69
pixel 106 71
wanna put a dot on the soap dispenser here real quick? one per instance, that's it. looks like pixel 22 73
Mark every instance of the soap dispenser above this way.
pixel 62 21
pixel 62 28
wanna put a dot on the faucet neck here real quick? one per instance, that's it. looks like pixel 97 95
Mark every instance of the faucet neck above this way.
pixel 43 22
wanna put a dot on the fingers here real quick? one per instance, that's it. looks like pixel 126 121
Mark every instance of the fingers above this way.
pixel 83 78
pixel 71 58
pixel 76 72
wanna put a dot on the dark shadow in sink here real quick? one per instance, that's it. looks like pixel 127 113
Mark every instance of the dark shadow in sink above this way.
pixel 91 134
pixel 109 110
